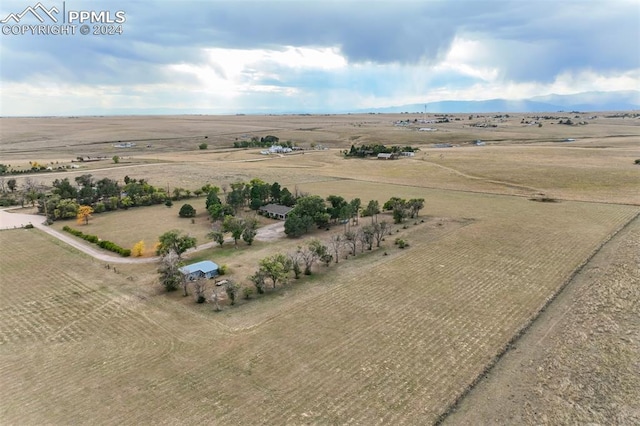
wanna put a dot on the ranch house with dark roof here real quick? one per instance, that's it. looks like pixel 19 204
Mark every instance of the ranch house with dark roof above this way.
pixel 275 211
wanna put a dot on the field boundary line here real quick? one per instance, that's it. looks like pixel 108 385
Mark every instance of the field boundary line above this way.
pixel 496 182
pixel 470 191
pixel 516 337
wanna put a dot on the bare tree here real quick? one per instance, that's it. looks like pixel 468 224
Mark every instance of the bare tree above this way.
pixel 199 288
pixel 32 190
pixel 379 231
pixel 185 286
pixel 170 275
pixel 232 290
pixel 215 299
pixel 30 184
pixel 335 245
pixel 366 236
pixel 351 241
pixel 308 257
pixel 294 259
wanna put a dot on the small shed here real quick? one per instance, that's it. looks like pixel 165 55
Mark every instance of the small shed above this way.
pixel 204 269
pixel 275 211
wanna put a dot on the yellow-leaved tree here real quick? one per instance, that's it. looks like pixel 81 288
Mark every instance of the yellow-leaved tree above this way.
pixel 138 249
pixel 84 214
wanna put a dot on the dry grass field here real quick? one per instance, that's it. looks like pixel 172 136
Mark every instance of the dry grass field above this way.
pixel 578 364
pixel 375 339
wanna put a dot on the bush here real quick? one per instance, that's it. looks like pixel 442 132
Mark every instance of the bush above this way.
pixel 203 146
pixel 107 245
pixel 223 269
pixel 187 210
pixel 247 292
pixel 401 243
pixel 168 203
pixel 637 161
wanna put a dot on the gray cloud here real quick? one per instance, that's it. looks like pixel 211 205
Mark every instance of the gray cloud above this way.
pixel 526 41
pixel 555 36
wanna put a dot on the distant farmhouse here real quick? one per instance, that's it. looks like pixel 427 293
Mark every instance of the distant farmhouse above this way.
pixel 386 156
pixel 125 145
pixel 277 149
pixel 204 269
pixel 275 211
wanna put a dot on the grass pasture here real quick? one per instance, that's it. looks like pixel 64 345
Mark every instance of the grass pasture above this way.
pixel 391 338
pixel 126 228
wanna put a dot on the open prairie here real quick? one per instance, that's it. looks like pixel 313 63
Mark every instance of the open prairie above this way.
pixel 391 336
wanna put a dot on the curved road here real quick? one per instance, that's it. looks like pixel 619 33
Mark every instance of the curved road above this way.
pixel 19 220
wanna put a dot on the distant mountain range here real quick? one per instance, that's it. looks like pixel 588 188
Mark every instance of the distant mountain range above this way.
pixel 587 101
pixel 628 100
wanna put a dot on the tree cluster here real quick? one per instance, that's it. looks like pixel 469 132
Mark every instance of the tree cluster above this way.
pixel 254 194
pixel 312 210
pixel 402 209
pixel 101 195
pixel 12 195
pixel 374 149
pixel 263 142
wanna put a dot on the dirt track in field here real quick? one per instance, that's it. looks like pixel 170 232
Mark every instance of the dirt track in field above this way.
pixel 576 363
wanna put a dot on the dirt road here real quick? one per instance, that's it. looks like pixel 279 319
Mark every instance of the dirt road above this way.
pixel 9 219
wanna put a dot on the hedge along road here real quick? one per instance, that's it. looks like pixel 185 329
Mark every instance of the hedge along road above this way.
pixel 20 220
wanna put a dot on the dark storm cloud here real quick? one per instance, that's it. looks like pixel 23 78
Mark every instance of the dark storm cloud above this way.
pixel 530 40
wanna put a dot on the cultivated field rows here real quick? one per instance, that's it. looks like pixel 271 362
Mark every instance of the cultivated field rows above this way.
pixel 580 361
pixel 391 339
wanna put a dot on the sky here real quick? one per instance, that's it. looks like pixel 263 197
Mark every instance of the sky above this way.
pixel 240 56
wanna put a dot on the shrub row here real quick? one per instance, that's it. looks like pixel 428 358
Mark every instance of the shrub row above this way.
pixel 107 245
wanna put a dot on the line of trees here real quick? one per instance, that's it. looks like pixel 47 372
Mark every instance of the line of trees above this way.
pixel 263 142
pixel 278 268
pixel 104 195
pixel 374 149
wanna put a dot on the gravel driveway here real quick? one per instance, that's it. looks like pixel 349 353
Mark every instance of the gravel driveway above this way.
pixel 11 220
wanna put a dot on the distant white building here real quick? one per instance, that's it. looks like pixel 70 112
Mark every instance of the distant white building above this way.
pixel 125 145
pixel 385 156
pixel 279 149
